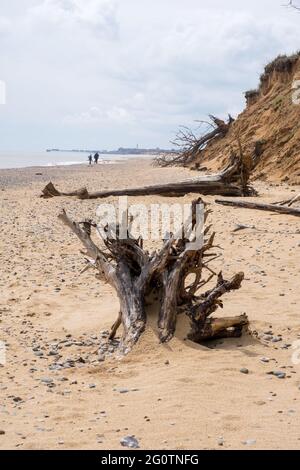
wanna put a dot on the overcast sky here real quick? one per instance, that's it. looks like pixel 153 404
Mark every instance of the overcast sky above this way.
pixel 110 73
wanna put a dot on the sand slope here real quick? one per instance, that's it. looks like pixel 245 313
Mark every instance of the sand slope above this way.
pixel 270 123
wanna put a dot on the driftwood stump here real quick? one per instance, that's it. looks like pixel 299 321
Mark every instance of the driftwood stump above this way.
pixel 135 273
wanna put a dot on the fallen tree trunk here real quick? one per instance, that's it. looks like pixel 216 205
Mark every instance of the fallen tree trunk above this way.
pixel 232 181
pixel 262 207
pixel 135 273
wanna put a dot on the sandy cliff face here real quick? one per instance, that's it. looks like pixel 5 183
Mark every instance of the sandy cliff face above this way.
pixel 269 126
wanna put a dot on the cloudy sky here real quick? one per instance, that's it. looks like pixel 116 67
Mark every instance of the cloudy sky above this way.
pixel 110 73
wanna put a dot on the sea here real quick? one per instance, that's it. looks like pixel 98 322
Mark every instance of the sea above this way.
pixel 9 159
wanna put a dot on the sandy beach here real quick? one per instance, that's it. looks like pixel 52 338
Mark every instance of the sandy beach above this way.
pixel 175 396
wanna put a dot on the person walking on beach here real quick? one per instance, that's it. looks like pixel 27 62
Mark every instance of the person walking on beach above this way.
pixel 90 158
pixel 96 158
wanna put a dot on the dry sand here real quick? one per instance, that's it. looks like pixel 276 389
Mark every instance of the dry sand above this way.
pixel 175 396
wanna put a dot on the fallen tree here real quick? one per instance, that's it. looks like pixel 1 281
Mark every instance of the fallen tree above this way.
pixel 289 202
pixel 232 181
pixel 134 273
pixel 189 145
pixel 260 206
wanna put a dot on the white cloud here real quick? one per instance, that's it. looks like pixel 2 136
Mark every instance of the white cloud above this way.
pixel 5 25
pixel 96 115
pixel 98 16
pixel 83 70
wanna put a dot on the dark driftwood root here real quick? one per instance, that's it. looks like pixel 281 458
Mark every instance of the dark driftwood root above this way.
pixel 232 181
pixel 263 207
pixel 50 191
pixel 135 273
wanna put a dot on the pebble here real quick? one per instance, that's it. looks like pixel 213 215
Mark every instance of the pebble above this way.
pixel 2 432
pixel 244 371
pixel 265 359
pixel 17 399
pixel 267 337
pixel 249 442
pixel 47 381
pixel 276 339
pixel 130 441
pixel 279 374
pixel 53 353
pixel 123 390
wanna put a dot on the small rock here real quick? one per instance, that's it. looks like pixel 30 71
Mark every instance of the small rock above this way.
pixel 279 374
pixel 17 399
pixel 244 371
pixel 276 339
pixel 55 367
pixel 265 359
pixel 249 442
pixel 221 442
pixel 267 337
pixel 130 441
pixel 53 353
pixel 47 381
pixel 2 432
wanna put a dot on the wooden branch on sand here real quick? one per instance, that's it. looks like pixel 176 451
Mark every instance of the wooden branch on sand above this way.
pixel 134 273
pixel 289 202
pixel 232 181
pixel 260 206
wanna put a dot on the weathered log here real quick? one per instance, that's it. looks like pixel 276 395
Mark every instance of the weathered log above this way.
pixel 217 328
pixel 260 206
pixel 232 181
pixel 134 274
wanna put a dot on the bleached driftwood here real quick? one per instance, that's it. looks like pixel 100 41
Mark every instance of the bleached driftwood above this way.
pixel 134 273
pixel 260 206
pixel 232 181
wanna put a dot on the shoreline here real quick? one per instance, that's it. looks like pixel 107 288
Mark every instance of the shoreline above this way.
pixel 22 176
pixel 63 161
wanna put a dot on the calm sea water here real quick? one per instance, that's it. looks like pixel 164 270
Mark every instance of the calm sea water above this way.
pixel 27 159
